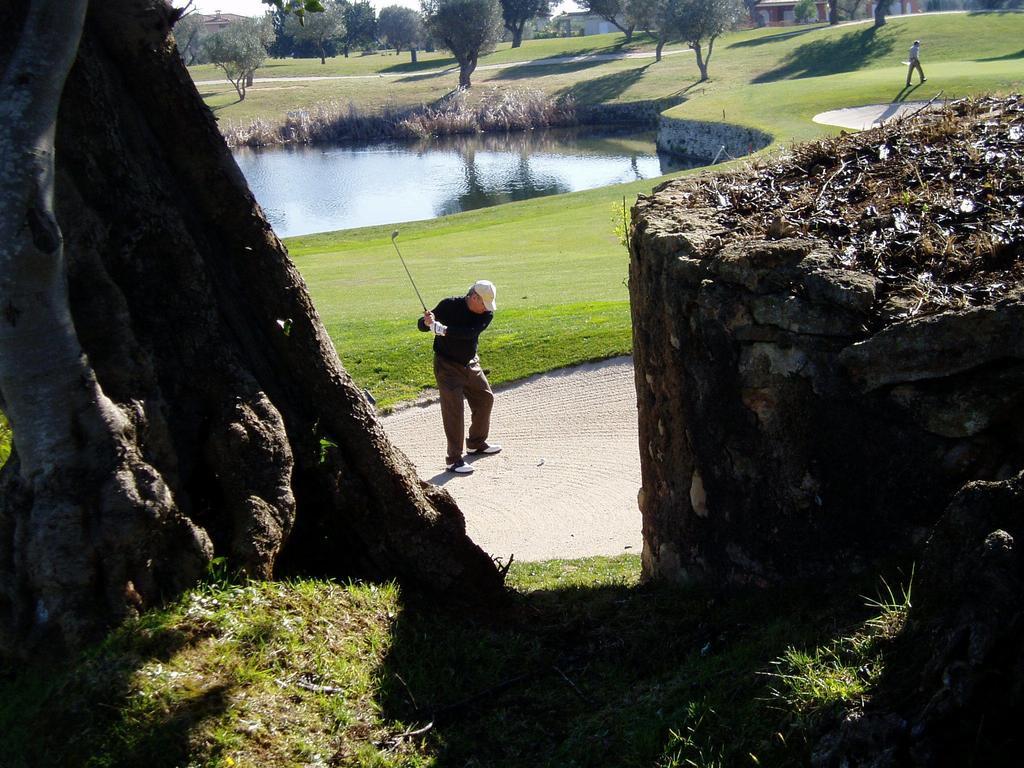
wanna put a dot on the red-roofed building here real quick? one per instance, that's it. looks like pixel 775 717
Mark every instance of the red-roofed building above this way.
pixel 780 13
pixel 217 21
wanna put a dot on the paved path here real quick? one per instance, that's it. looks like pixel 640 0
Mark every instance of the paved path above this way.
pixel 566 483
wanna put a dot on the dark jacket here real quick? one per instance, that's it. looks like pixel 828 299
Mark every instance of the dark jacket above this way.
pixel 464 329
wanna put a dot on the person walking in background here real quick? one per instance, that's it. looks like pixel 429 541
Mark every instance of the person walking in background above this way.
pixel 915 62
pixel 457 323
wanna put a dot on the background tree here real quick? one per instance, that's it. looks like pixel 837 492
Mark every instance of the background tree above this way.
pixel 663 18
pixel 401 28
pixel 805 11
pixel 640 14
pixel 172 392
pixel 318 29
pixel 467 28
pixel 849 9
pixel 240 50
pixel 188 37
pixel 360 26
pixel 881 8
pixel 517 12
pixel 702 21
pixel 833 11
pixel 611 11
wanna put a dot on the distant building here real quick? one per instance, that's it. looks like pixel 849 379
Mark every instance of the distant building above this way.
pixel 780 13
pixel 589 23
pixel 898 7
pixel 217 21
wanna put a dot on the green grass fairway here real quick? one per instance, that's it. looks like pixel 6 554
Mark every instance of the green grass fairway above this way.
pixel 558 263
pixel 778 79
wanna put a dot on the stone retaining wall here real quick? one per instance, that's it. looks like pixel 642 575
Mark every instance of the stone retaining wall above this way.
pixel 695 138
pixel 645 113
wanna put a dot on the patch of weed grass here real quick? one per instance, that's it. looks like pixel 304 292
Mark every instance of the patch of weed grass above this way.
pixel 583 665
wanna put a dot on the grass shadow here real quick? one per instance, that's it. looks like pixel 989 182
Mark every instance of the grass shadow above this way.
pixel 419 66
pixel 848 53
pixel 605 88
pixel 1008 57
pixel 539 69
pixel 606 675
pixel 777 37
pixel 76 713
pixel 427 76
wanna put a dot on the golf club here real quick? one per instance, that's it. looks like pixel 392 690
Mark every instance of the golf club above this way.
pixel 393 236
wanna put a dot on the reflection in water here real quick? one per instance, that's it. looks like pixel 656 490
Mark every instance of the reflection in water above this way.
pixel 328 187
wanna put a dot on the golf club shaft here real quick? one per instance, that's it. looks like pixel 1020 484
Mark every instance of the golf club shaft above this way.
pixel 410 275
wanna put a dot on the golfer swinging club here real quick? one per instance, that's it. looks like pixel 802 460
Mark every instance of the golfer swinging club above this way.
pixel 457 323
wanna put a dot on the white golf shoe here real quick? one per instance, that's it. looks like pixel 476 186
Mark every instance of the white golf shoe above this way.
pixel 486 448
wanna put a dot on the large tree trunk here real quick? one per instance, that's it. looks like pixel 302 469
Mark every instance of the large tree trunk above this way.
pixel 880 9
pixel 210 414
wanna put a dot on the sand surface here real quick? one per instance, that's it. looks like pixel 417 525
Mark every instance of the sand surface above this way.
pixel 565 484
pixel 870 115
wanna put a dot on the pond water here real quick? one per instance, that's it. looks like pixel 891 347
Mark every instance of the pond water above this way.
pixel 320 188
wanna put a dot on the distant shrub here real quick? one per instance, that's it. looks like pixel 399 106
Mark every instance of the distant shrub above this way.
pixel 513 110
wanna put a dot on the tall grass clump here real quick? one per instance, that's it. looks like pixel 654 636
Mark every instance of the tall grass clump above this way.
pixel 5 439
pixel 842 673
pixel 514 110
pixel 323 122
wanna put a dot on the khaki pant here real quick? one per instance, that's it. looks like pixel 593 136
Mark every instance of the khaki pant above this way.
pixel 915 64
pixel 455 381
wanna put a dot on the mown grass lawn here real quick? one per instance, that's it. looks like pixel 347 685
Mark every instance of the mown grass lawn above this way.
pixel 771 78
pixel 558 264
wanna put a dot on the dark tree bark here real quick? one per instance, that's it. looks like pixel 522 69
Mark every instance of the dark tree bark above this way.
pixel 702 63
pixel 209 414
pixel 517 33
pixel 467 65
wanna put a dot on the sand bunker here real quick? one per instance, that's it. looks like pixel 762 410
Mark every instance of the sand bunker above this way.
pixel 566 483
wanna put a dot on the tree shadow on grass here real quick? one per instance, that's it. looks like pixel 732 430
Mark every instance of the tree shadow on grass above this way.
pixel 603 675
pixel 427 76
pixel 1008 57
pixel 777 37
pixel 848 53
pixel 74 714
pixel 537 69
pixel 419 66
pixel 605 88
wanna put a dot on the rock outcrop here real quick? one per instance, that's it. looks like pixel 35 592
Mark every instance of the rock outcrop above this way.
pixel 953 688
pixel 810 397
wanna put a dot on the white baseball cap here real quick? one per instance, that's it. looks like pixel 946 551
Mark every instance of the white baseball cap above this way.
pixel 485 290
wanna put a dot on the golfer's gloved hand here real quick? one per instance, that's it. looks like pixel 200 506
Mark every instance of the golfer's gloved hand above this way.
pixel 438 328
